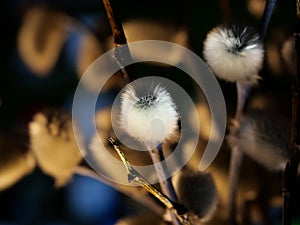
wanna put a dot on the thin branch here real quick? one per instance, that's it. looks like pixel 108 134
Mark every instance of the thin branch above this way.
pixel 286 196
pixel 236 157
pixel 115 23
pixel 226 10
pixel 295 94
pixel 157 157
pixel 243 91
pixel 134 176
pixel 269 8
pixel 162 172
pixel 289 182
pixel 122 52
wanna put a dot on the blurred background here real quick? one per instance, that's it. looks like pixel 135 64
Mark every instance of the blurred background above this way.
pixel 46 45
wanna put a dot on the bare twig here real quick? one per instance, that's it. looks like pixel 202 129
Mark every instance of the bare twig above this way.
pixel 296 90
pixel 286 196
pixel 134 176
pixel 290 174
pixel 296 99
pixel 243 91
pixel 115 24
pixel 270 5
pixel 157 157
pixel 162 172
pixel 226 10
pixel 122 52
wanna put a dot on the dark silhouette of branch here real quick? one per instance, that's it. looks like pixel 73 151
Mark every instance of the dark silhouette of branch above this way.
pixel 289 181
pixel 122 52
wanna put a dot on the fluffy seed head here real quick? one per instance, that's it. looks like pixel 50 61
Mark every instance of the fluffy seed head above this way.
pixel 234 52
pixel 148 112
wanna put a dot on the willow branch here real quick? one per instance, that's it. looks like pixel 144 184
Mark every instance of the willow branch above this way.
pixel 122 52
pixel 295 94
pixel 226 10
pixel 243 91
pixel 134 176
pixel 269 8
pixel 165 182
pixel 290 173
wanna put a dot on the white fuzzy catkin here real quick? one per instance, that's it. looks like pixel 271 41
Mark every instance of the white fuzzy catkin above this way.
pixel 264 137
pixel 148 112
pixel 234 52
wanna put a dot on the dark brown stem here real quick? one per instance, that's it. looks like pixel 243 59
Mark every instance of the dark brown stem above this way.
pixel 296 93
pixel 286 196
pixel 115 23
pixel 122 52
pixel 226 10
pixel 291 170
